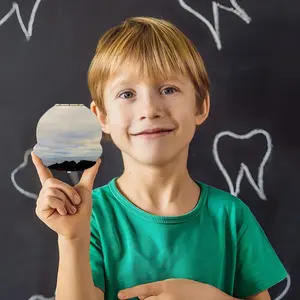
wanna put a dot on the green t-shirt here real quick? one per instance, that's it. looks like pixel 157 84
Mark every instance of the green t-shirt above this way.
pixel 219 242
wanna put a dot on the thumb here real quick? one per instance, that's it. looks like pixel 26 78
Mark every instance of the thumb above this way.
pixel 88 176
pixel 43 172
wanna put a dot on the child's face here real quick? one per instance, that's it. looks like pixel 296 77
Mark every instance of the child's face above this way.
pixel 134 105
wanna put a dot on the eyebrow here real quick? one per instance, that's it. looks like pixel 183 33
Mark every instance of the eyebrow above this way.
pixel 126 81
pixel 118 83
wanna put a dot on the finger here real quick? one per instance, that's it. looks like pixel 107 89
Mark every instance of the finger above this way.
pixel 61 196
pixel 43 172
pixel 70 192
pixel 89 175
pixel 159 297
pixel 52 203
pixel 143 290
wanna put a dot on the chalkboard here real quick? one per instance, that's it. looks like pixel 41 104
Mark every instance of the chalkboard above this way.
pixel 249 145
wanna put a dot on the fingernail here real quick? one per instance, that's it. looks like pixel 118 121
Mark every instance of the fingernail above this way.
pixel 77 199
pixel 73 209
pixel 120 295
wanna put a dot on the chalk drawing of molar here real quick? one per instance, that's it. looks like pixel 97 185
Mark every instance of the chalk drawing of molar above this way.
pixel 16 9
pixel 215 29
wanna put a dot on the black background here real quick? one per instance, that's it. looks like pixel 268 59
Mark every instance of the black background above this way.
pixel 254 86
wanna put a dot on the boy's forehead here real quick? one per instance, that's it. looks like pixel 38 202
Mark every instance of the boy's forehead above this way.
pixel 132 74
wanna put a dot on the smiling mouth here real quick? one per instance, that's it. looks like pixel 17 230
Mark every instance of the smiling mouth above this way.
pixel 154 134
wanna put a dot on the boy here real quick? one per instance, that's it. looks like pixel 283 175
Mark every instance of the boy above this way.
pixel 154 232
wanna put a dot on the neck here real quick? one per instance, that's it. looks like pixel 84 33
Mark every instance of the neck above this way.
pixel 159 188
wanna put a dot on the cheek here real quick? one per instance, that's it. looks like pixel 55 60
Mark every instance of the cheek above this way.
pixel 118 120
pixel 187 125
pixel 182 107
pixel 184 115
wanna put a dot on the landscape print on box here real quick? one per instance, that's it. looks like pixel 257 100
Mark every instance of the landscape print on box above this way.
pixel 68 138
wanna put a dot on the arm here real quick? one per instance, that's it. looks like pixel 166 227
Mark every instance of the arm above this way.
pixel 74 280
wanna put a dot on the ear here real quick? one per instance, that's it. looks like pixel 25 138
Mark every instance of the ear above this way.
pixel 101 117
pixel 203 111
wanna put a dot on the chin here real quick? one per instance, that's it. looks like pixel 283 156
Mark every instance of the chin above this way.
pixel 156 155
pixel 157 159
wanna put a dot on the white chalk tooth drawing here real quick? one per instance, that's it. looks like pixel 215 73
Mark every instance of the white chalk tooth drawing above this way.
pixel 29 195
pixel 72 175
pixel 215 29
pixel 259 187
pixel 16 170
pixel 285 291
pixel 244 170
pixel 15 8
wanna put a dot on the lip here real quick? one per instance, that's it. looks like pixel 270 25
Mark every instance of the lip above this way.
pixel 154 130
pixel 154 134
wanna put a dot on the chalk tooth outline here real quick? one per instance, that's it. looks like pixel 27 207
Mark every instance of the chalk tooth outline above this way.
pixel 259 189
pixel 288 285
pixel 215 30
pixel 74 176
pixel 15 8
pixel 16 170
pixel 30 195
pixel 243 167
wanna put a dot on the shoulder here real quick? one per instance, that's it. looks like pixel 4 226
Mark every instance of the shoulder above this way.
pixel 102 199
pixel 100 193
pixel 226 208
pixel 218 200
pixel 104 193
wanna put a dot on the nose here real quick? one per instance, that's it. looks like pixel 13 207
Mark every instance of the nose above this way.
pixel 151 107
pixel 151 114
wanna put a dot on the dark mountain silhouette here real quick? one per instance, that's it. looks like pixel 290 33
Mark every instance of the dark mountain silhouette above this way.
pixel 72 165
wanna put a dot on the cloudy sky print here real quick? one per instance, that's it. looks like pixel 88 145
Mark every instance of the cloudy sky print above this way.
pixel 68 132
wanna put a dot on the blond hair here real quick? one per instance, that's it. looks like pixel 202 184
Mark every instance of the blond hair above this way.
pixel 157 49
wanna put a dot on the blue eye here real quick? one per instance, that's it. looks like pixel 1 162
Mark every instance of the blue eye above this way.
pixel 168 89
pixel 126 93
